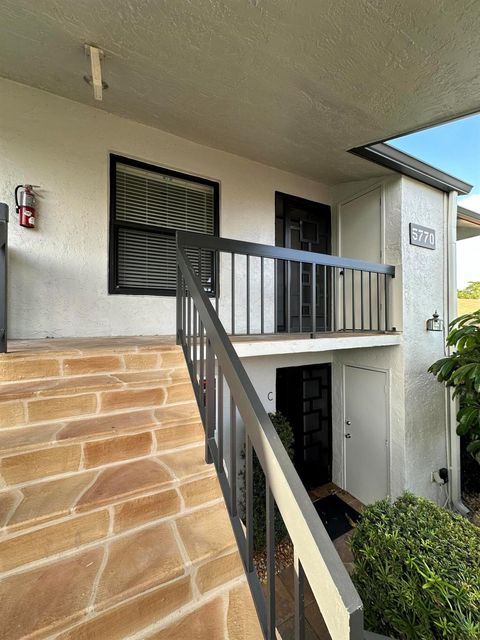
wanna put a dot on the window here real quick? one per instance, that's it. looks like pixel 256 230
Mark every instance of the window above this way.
pixel 148 205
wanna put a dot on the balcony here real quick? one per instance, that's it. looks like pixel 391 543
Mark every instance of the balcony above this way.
pixel 273 300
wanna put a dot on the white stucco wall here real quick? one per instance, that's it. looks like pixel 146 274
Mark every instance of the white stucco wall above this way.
pixel 424 281
pixel 58 272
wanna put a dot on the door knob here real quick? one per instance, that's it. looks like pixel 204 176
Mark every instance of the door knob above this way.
pixel 349 422
pixel 348 435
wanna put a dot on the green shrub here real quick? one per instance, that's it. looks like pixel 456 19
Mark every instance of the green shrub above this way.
pixel 461 370
pixel 284 430
pixel 417 569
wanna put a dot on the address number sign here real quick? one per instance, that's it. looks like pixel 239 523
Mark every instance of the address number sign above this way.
pixel 422 236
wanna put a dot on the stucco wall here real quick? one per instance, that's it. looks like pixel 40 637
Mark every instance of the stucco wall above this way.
pixel 58 272
pixel 424 286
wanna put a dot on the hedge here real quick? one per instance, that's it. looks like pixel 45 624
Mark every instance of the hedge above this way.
pixel 417 569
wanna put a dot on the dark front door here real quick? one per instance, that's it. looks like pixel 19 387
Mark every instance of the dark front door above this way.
pixel 304 398
pixel 302 224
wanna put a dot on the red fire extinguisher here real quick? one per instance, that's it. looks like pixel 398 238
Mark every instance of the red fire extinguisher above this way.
pixel 25 204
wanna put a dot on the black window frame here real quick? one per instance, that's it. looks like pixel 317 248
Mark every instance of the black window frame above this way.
pixel 115 225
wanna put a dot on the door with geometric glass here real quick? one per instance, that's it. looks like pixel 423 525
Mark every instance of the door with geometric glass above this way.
pixel 304 398
pixel 305 225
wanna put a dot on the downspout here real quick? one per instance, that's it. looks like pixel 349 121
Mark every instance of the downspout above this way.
pixel 452 440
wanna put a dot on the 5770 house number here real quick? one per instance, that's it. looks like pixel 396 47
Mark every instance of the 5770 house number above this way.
pixel 422 236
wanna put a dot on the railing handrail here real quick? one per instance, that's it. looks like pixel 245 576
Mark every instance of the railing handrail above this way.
pixel 331 585
pixel 229 245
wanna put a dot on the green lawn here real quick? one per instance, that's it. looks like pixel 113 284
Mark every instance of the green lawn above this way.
pixel 467 305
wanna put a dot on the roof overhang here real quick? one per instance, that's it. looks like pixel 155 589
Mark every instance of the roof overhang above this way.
pixel 468 223
pixel 387 156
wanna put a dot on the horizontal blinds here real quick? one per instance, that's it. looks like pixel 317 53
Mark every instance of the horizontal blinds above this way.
pixel 151 198
pixel 147 260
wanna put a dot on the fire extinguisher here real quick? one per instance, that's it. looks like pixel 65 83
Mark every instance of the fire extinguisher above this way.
pixel 25 204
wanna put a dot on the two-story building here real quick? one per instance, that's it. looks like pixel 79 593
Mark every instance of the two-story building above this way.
pixel 324 253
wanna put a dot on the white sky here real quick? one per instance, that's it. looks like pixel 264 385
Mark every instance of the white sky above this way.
pixel 468 251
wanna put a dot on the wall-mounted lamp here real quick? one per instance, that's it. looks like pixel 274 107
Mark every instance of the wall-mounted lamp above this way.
pixel 435 323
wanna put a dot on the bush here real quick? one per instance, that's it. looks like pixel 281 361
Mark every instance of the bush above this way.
pixel 461 370
pixel 284 430
pixel 417 569
pixel 471 291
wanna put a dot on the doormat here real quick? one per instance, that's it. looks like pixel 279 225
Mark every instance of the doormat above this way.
pixel 335 515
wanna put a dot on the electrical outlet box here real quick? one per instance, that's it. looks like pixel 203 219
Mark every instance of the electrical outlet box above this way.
pixel 437 478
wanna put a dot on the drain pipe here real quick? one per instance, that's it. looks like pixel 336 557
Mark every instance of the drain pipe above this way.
pixel 452 440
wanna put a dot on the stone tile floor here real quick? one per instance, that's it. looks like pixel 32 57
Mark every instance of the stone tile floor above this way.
pixel 315 628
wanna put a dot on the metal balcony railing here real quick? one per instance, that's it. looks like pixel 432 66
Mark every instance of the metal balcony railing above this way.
pixel 267 290
pixel 235 419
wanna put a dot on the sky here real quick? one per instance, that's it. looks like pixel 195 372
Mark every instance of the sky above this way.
pixel 454 148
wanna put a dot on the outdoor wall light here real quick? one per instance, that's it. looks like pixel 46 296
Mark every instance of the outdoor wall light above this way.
pixel 435 323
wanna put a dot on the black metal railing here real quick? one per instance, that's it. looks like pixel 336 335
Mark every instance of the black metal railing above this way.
pixel 268 289
pixel 3 275
pixel 234 420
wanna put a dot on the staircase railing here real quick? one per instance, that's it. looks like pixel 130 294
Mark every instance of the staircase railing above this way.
pixel 235 419
pixel 3 275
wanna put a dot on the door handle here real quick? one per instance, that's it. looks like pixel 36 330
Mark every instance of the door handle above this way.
pixel 349 422
pixel 348 435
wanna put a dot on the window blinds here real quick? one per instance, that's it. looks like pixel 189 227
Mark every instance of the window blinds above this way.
pixel 149 208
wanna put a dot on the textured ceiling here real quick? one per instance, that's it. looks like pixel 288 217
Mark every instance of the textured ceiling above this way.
pixel 293 84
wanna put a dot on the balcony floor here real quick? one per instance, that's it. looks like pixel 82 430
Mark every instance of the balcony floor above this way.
pixel 245 345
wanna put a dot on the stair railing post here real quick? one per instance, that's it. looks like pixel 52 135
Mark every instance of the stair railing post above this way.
pixel 179 305
pixel 3 275
pixel 210 401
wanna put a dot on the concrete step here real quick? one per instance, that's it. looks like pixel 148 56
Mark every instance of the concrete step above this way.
pixel 26 438
pixel 64 458
pixel 27 365
pixel 72 385
pixel 104 396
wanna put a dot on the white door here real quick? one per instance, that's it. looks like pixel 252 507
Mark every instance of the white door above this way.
pixel 366 433
pixel 361 227
pixel 361 239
